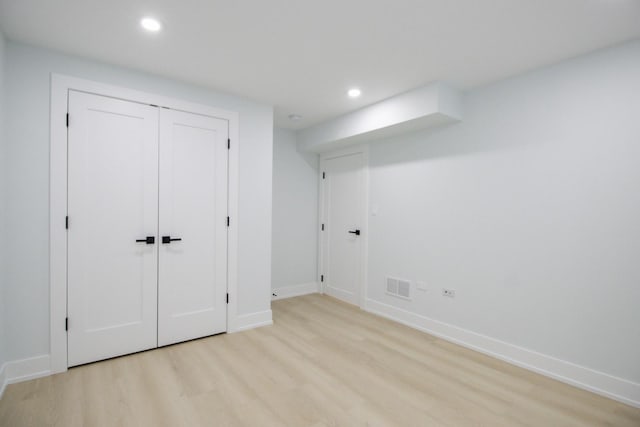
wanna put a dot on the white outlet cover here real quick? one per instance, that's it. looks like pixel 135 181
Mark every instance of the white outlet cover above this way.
pixel 451 293
pixel 421 286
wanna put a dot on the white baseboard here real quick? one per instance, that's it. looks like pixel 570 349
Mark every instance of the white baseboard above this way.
pixel 253 320
pixel 579 376
pixel 24 370
pixel 296 290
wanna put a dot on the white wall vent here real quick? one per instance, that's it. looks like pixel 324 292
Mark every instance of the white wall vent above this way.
pixel 399 288
pixel 392 286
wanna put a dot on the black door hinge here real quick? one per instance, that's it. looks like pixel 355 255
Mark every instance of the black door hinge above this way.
pixel 67 119
pixel 228 143
pixel 227 298
pixel 323 175
pixel 322 227
pixel 66 323
pixel 322 278
pixel 66 222
pixel 228 221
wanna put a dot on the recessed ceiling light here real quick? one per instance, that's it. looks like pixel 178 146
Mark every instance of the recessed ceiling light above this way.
pixel 295 117
pixel 150 24
pixel 354 93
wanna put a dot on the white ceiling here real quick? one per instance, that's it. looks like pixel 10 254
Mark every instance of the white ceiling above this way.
pixel 301 56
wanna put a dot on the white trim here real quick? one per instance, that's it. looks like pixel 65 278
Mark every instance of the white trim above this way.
pixel 579 376
pixel 364 228
pixel 3 382
pixel 296 290
pixel 232 236
pixel 60 86
pixel 319 257
pixel 254 320
pixel 24 370
pixel 364 265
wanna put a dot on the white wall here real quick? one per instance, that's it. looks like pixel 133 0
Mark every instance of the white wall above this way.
pixel 529 209
pixel 2 207
pixel 295 213
pixel 27 123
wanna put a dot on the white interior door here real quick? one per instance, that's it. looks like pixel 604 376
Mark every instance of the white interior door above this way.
pixel 193 209
pixel 343 219
pixel 112 202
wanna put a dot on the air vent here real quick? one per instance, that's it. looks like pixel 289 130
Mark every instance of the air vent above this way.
pixel 392 286
pixel 399 288
pixel 404 289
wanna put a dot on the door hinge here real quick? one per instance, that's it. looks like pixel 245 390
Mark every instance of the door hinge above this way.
pixel 322 278
pixel 228 143
pixel 66 323
pixel 66 222
pixel 322 227
pixel 67 119
pixel 227 298
pixel 323 175
pixel 228 221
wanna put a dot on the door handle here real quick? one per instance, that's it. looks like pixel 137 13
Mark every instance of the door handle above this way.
pixel 356 232
pixel 168 239
pixel 149 240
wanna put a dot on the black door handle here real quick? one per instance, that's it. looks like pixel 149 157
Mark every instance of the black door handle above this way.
pixel 357 232
pixel 149 240
pixel 168 239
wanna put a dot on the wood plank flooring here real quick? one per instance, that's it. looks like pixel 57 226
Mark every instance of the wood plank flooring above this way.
pixel 322 363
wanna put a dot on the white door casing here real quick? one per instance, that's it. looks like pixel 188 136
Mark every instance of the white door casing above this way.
pixel 343 214
pixel 112 202
pixel 193 208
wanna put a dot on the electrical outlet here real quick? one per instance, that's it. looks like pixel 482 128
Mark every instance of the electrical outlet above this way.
pixel 451 293
pixel 421 286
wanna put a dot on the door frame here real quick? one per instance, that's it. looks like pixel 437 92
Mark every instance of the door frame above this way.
pixel 364 236
pixel 60 87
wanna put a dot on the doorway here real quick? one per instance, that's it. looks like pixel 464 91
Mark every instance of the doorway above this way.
pixel 146 229
pixel 343 224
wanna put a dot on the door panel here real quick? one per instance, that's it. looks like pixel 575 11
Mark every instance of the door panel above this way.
pixel 193 208
pixel 342 213
pixel 112 201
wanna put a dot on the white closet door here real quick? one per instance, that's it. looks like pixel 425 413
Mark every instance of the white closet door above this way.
pixel 342 212
pixel 193 208
pixel 112 202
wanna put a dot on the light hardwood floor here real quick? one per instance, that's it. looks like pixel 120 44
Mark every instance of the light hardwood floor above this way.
pixel 323 363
